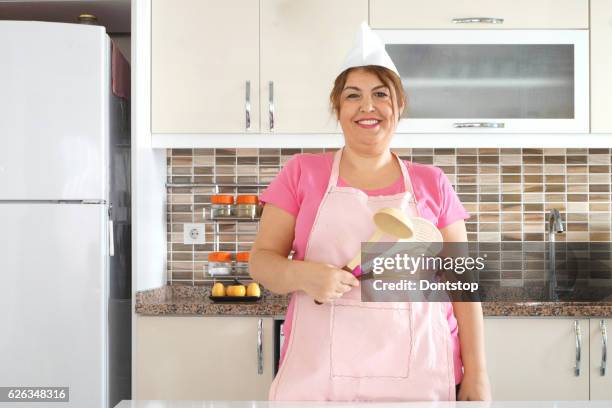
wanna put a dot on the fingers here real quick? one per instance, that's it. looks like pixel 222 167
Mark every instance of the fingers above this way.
pixel 349 279
pixel 337 292
pixel 333 295
pixel 343 288
pixel 334 285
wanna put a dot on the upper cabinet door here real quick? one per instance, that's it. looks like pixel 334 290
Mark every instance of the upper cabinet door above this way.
pixel 303 44
pixel 601 65
pixel 465 14
pixel 507 81
pixel 203 54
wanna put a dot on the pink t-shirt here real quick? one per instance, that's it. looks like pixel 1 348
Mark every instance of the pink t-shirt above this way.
pixel 299 189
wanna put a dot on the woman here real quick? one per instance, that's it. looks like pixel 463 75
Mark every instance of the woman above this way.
pixel 321 206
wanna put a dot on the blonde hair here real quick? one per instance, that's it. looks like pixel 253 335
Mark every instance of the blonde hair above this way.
pixel 388 77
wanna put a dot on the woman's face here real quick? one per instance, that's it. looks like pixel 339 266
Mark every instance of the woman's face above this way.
pixel 366 112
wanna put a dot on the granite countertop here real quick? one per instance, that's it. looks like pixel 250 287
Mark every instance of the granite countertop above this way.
pixel 440 404
pixel 193 300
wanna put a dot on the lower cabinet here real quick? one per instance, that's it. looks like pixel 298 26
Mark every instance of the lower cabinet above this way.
pixel 219 358
pixel 547 358
pixel 203 358
pixel 601 375
pixel 537 358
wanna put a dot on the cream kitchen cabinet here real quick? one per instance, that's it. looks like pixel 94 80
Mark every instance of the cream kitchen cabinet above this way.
pixel 538 358
pixel 204 52
pixel 601 66
pixel 521 14
pixel 203 358
pixel 303 45
pixel 204 63
pixel 601 377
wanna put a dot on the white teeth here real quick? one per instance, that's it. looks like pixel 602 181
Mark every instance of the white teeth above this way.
pixel 368 122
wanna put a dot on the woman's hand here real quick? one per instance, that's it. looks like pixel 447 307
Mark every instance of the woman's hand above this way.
pixel 269 265
pixel 475 387
pixel 324 282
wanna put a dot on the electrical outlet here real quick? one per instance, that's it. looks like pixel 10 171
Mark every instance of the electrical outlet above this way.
pixel 193 234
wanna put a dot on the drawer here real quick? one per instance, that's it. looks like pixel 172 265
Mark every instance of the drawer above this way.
pixel 528 14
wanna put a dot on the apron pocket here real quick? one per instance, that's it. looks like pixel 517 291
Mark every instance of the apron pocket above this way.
pixel 370 339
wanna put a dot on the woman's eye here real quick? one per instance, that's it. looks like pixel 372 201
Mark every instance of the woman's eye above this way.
pixel 352 95
pixel 381 94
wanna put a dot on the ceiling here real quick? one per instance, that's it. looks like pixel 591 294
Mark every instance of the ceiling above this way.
pixel 115 15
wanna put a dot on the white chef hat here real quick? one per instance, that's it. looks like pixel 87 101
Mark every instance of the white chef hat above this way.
pixel 368 49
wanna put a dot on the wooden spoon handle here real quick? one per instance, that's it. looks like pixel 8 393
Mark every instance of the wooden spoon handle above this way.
pixel 356 261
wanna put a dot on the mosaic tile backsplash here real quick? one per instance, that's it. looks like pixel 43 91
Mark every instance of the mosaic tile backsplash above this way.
pixel 508 193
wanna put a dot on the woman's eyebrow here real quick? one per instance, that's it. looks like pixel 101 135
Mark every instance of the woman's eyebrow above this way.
pixel 358 89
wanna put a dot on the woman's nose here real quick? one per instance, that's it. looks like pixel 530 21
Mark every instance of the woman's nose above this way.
pixel 367 105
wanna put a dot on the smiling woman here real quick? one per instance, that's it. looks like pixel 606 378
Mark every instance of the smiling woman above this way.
pixel 321 206
pixel 368 102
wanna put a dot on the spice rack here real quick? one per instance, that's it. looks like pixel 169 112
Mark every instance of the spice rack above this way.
pixel 216 222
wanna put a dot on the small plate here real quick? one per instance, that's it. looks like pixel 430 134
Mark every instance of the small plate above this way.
pixel 234 299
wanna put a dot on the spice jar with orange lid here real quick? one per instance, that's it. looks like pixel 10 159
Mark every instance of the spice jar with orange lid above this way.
pixel 222 205
pixel 247 206
pixel 219 263
pixel 242 263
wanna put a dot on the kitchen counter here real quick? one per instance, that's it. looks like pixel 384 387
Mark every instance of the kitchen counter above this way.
pixel 267 404
pixel 193 300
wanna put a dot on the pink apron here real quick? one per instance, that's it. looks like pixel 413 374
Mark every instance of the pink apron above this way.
pixel 354 351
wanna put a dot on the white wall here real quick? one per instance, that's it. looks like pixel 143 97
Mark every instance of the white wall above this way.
pixel 148 167
pixel 148 177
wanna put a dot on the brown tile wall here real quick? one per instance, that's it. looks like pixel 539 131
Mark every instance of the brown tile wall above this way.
pixel 507 192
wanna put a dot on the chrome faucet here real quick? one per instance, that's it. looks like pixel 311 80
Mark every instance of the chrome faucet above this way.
pixel 555 223
pixel 555 226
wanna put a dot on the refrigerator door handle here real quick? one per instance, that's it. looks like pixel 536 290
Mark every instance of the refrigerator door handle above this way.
pixel 111 233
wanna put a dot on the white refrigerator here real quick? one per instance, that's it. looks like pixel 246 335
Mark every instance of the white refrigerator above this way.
pixel 65 267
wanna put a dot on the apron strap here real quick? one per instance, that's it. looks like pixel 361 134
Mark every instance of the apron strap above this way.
pixel 335 173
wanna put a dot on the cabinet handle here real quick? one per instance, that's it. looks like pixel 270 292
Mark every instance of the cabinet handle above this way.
pixel 248 105
pixel 479 125
pixel 604 347
pixel 487 20
pixel 271 103
pixel 260 346
pixel 111 232
pixel 578 335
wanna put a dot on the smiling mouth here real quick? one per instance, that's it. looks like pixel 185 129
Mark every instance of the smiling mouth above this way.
pixel 368 123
